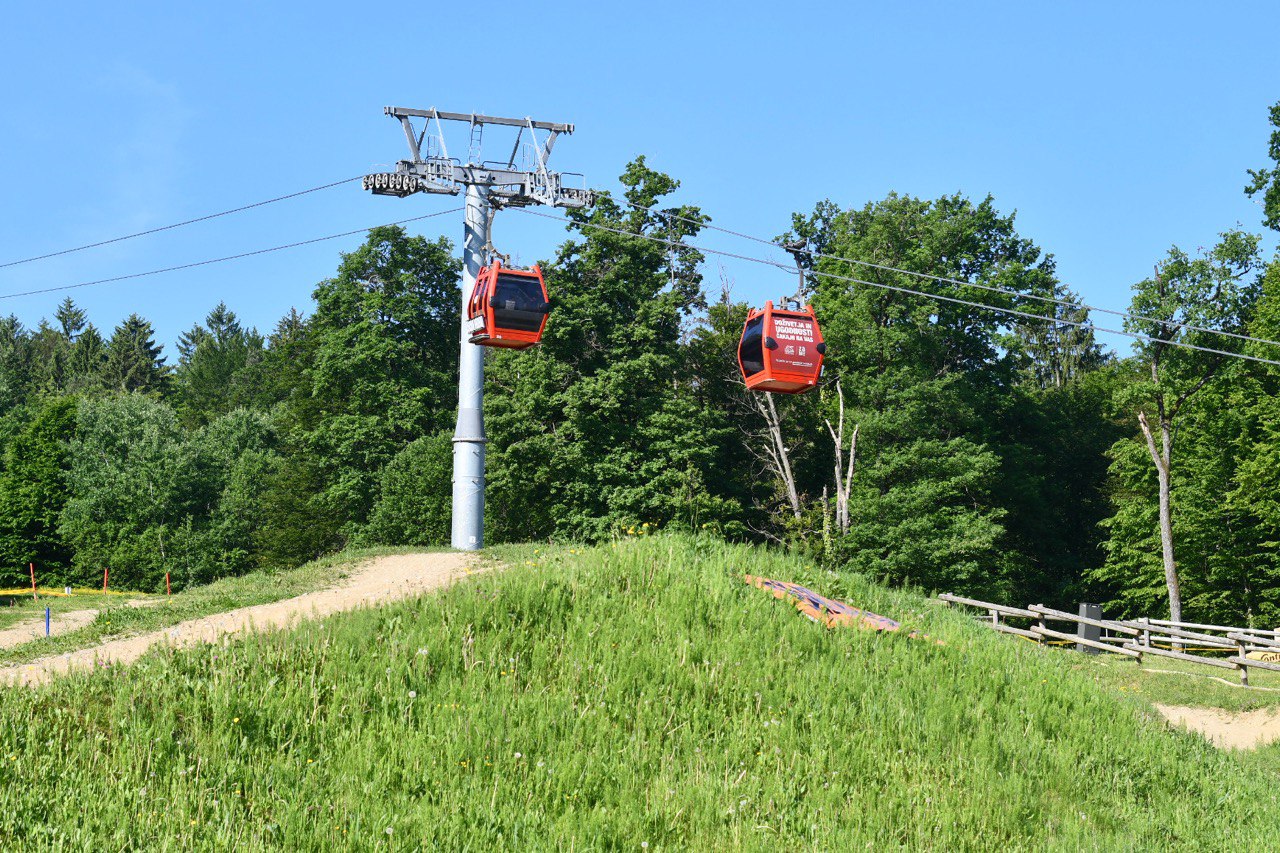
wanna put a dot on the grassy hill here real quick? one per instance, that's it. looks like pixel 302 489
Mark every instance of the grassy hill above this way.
pixel 617 697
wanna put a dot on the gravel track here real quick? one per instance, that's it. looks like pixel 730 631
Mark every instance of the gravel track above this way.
pixel 374 582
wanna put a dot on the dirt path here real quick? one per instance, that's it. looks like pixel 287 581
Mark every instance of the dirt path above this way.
pixel 378 581
pixel 33 629
pixel 1226 729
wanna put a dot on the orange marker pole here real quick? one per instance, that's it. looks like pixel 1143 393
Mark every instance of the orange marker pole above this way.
pixel 33 578
pixel 168 590
pixel 104 579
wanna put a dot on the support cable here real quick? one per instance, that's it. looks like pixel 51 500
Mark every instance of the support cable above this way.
pixel 1066 303
pixel 1013 311
pixel 205 218
pixel 221 260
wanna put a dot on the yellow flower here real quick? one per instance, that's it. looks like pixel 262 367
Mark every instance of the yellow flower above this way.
pixel 235 719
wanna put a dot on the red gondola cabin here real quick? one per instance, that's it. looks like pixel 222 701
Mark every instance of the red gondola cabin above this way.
pixel 513 304
pixel 781 350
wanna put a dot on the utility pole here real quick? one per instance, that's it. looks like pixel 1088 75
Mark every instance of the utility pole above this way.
pixel 522 179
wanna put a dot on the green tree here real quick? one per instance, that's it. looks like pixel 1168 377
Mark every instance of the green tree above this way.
pixel 296 525
pixel 1267 180
pixel 214 367
pixel 33 491
pixel 229 465
pixel 383 356
pixel 596 429
pixel 1062 349
pixel 86 362
pixel 49 351
pixel 15 363
pixel 1252 404
pixel 414 506
pixel 1186 297
pixel 133 361
pixel 128 492
pixel 925 380
pixel 71 319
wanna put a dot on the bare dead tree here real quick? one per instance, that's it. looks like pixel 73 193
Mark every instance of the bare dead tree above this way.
pixel 778 455
pixel 843 470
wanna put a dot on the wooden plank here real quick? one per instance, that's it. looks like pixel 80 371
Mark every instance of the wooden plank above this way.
pixel 1061 635
pixel 1168 653
pixel 1177 634
pixel 1063 616
pixel 987 605
pixel 1202 627
pixel 1259 641
pixel 1009 629
pixel 1189 638
pixel 1257 664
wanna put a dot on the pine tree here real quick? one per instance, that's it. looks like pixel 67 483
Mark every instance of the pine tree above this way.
pixel 133 361
pixel 71 319
pixel 86 362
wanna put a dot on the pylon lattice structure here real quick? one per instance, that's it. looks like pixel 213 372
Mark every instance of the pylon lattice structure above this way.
pixel 522 179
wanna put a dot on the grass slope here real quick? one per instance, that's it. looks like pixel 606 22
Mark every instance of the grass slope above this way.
pixel 611 698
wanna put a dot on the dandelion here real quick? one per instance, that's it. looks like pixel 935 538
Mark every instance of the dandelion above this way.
pixel 644 845
pixel 390 831
pixel 518 755
pixel 413 694
pixel 235 719
pixel 422 651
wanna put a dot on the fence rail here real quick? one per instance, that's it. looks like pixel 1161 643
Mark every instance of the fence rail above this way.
pixel 1134 638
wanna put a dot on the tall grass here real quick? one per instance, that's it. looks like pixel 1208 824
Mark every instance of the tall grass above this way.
pixel 628 695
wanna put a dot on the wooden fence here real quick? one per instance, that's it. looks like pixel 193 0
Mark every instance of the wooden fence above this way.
pixel 1135 637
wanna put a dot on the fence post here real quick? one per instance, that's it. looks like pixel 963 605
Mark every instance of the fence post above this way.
pixel 1244 669
pixel 1040 638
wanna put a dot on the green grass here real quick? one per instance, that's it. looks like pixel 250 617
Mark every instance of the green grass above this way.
pixel 1186 683
pixel 609 698
pixel 116 619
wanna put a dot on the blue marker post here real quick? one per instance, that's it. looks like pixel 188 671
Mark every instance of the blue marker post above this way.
pixel 46 621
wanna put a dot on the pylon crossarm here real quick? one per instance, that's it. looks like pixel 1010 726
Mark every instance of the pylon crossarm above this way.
pixel 470 118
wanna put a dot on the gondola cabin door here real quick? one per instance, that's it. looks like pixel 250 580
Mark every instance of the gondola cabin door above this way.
pixel 511 306
pixel 781 350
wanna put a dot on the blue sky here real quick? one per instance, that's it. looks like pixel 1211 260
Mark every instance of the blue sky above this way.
pixel 1114 129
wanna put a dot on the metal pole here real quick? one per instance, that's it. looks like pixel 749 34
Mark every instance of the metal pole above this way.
pixel 468 436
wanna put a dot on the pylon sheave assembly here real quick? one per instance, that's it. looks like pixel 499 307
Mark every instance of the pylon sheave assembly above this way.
pixel 781 350
pixel 512 305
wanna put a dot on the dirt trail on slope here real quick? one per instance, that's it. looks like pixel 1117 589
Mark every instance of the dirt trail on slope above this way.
pixel 1227 729
pixel 33 629
pixel 377 581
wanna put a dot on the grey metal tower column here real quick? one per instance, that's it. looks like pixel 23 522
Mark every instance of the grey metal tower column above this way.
pixel 431 170
pixel 468 436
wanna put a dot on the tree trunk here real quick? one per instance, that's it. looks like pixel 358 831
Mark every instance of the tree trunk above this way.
pixel 844 476
pixel 779 455
pixel 1162 462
